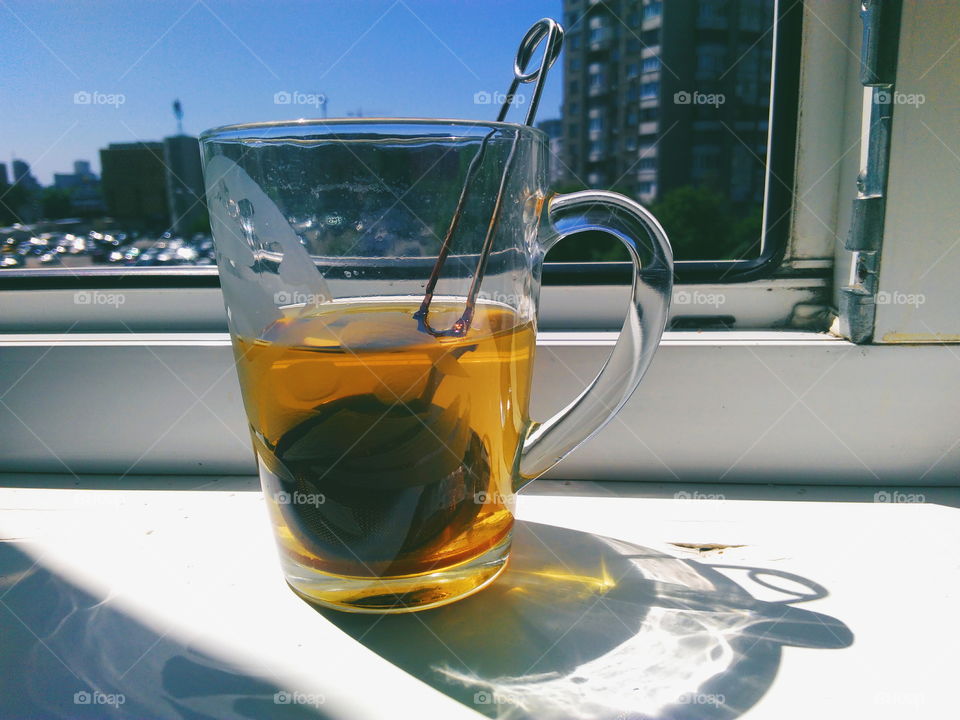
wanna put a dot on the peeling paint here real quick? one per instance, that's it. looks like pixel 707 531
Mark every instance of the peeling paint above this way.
pixel 915 338
pixel 810 316
pixel 704 548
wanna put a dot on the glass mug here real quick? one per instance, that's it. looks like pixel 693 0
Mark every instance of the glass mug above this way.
pixel 389 451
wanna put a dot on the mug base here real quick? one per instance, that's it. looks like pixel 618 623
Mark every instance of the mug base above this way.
pixel 394 595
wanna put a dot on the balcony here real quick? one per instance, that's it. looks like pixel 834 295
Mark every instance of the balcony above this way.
pixel 600 44
pixel 598 37
pixel 652 22
pixel 598 88
pixel 647 192
pixel 649 128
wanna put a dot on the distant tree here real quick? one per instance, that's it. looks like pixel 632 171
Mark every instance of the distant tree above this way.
pixel 200 224
pixel 13 202
pixel 698 222
pixel 568 186
pixel 746 234
pixel 589 246
pixel 55 203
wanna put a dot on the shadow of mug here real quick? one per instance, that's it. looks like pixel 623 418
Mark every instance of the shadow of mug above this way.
pixel 583 626
pixel 69 654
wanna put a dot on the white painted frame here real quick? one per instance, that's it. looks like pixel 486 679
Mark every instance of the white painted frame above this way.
pixel 83 390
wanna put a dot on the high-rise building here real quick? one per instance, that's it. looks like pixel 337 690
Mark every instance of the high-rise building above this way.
pixel 184 181
pixel 23 177
pixel 554 130
pixel 4 178
pixel 83 188
pixel 65 181
pixel 22 203
pixel 87 199
pixel 134 183
pixel 81 175
pixel 20 169
pixel 659 95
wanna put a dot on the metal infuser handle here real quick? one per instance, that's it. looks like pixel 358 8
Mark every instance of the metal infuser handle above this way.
pixel 542 28
pixel 545 28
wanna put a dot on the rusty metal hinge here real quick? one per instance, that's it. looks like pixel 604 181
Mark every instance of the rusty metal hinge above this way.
pixel 878 68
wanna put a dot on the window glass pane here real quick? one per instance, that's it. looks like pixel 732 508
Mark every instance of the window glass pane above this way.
pixel 688 136
pixel 667 103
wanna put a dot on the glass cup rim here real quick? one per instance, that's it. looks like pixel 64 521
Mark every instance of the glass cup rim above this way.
pixel 263 130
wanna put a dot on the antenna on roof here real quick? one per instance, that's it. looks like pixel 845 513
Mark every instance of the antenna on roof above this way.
pixel 178 114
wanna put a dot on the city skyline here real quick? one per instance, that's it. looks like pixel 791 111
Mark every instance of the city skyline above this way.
pixel 100 86
pixel 677 95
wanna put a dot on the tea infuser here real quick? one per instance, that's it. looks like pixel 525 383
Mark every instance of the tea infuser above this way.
pixel 553 32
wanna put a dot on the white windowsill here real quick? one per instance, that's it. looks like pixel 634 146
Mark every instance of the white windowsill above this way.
pixel 169 591
pixel 717 406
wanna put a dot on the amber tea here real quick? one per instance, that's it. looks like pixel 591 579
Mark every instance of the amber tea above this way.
pixel 383 450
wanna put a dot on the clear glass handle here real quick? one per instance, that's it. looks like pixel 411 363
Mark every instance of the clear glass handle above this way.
pixel 548 442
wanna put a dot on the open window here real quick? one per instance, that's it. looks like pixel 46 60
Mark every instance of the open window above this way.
pixel 747 368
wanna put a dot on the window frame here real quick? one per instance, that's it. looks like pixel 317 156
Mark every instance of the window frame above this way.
pixel 781 152
pixel 701 382
pixel 778 203
pixel 173 406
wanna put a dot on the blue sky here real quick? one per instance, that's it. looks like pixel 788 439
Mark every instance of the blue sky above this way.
pixel 225 61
